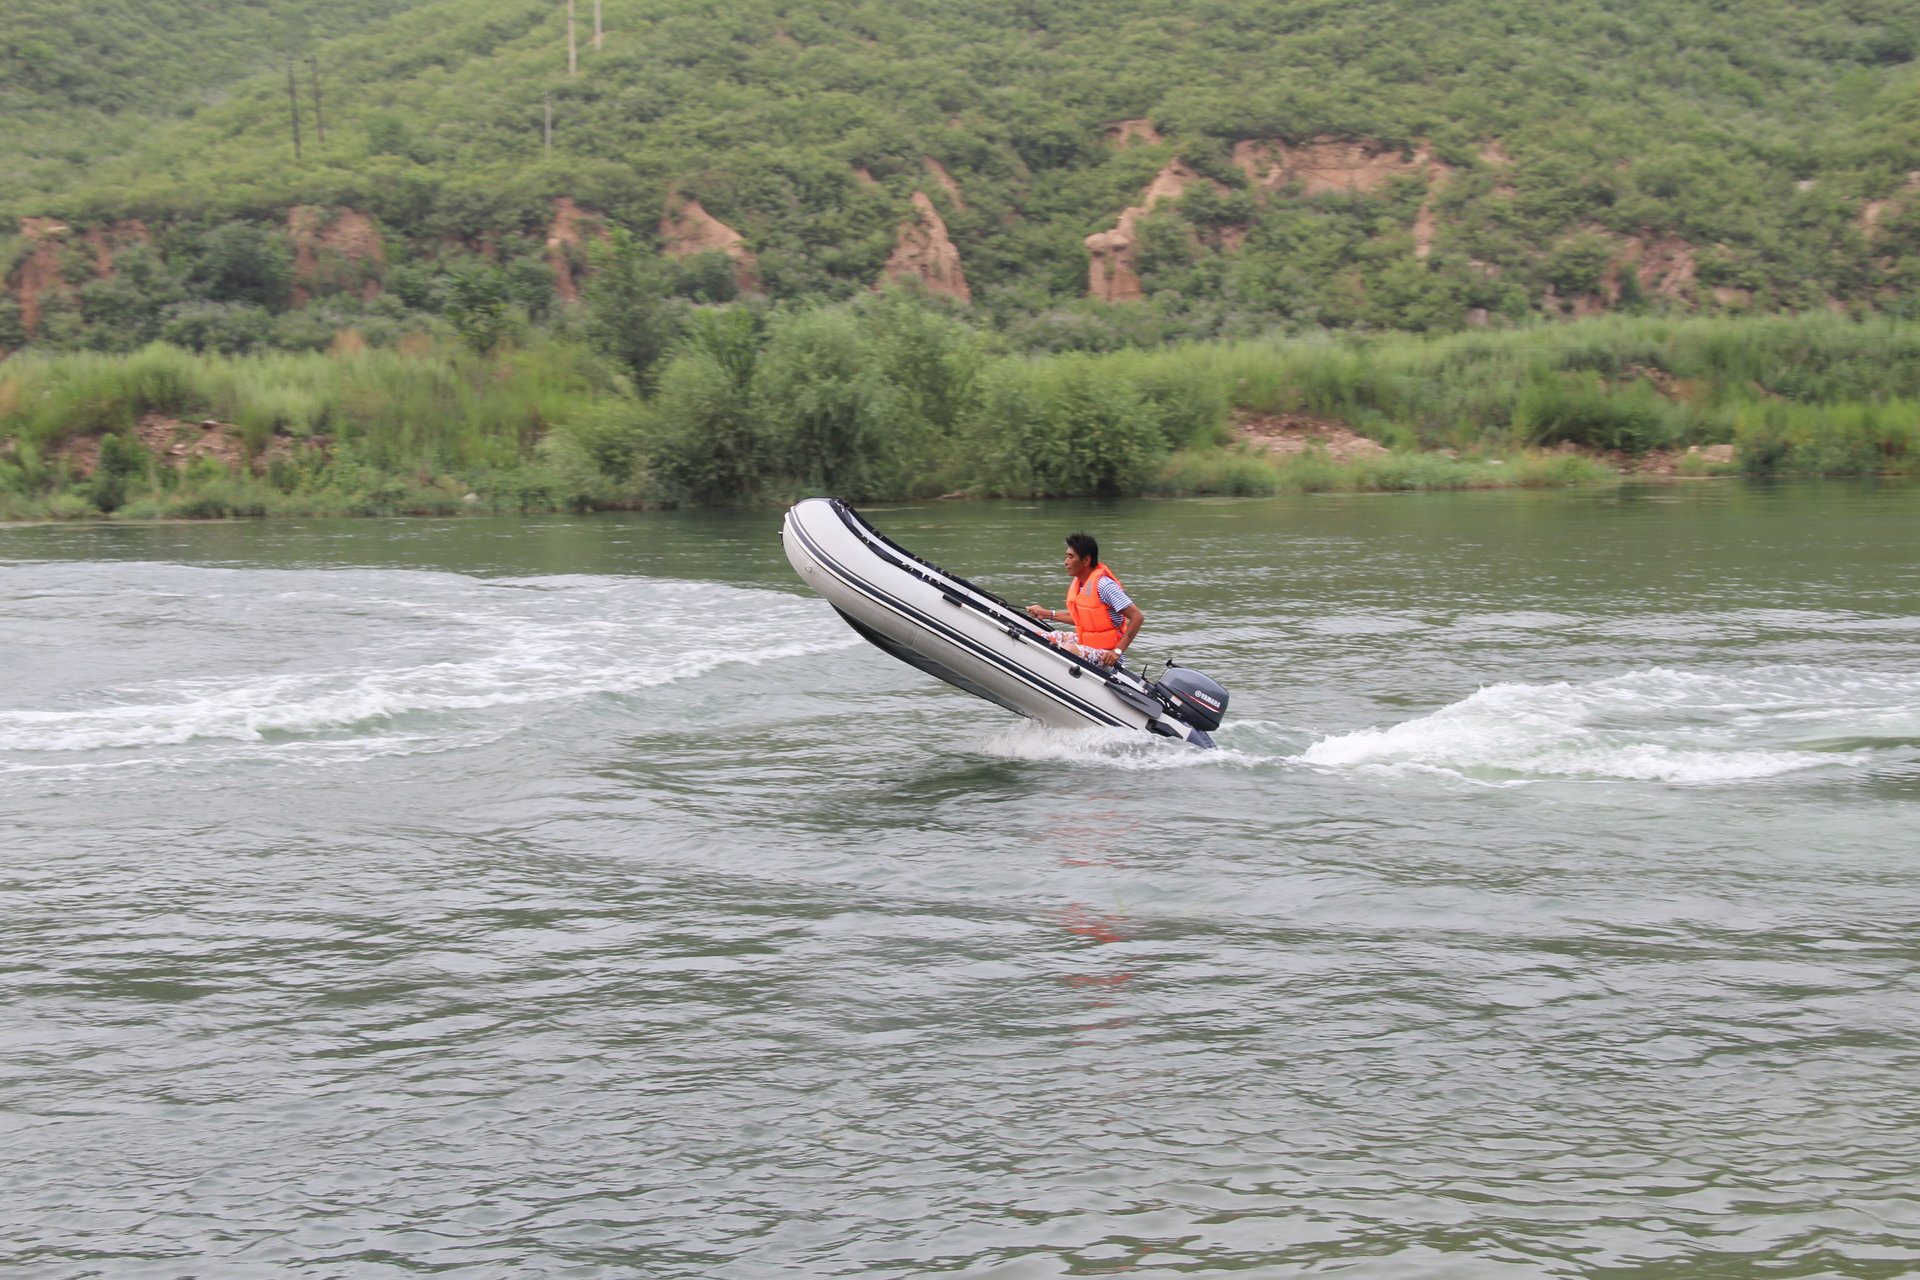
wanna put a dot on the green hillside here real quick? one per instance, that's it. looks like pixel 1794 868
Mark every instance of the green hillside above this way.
pixel 1502 158
pixel 80 83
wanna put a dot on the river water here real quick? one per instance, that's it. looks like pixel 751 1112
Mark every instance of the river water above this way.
pixel 578 897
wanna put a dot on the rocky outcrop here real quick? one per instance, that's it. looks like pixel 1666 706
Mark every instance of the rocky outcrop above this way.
pixel 1111 276
pixel 687 229
pixel 924 253
pixel 334 250
pixel 571 227
pixel 1345 165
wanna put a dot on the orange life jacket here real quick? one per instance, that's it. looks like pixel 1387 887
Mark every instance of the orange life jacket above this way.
pixel 1092 623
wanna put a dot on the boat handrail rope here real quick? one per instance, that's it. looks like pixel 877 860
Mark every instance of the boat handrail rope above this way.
pixel 898 556
pixel 858 523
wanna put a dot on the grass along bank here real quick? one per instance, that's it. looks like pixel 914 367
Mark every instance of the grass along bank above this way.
pixel 425 428
pixel 890 396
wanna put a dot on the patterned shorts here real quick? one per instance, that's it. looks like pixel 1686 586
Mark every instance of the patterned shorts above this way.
pixel 1065 640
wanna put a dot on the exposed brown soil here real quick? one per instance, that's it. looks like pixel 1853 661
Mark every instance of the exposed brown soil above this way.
pixel 923 252
pixel 1288 434
pixel 1327 164
pixel 1324 165
pixel 1125 132
pixel 327 240
pixel 571 226
pixel 176 442
pixel 946 181
pixel 1284 434
pixel 1875 210
pixel 1663 265
pixel 40 271
pixel 687 229
pixel 1658 462
pixel 106 241
pixel 1687 391
pixel 1111 276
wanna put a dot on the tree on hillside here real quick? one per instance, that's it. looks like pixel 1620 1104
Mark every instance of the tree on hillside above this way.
pixel 707 443
pixel 241 262
pixel 841 424
pixel 477 307
pixel 630 318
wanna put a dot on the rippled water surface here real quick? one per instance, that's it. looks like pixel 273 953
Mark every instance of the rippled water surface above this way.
pixel 578 897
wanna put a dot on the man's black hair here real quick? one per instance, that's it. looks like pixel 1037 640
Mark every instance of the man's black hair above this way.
pixel 1084 546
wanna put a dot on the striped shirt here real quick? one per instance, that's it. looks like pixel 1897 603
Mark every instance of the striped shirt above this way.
pixel 1116 601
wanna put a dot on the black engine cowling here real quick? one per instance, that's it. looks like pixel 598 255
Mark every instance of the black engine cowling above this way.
pixel 1192 697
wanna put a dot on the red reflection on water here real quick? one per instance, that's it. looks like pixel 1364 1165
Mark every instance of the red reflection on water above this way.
pixel 1095 834
pixel 1096 839
pixel 1102 988
pixel 1078 918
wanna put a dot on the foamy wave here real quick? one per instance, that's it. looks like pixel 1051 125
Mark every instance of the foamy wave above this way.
pixel 421 644
pixel 1109 748
pixel 1657 725
pixel 337 701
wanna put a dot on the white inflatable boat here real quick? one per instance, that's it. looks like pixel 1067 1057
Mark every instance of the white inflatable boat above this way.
pixel 971 638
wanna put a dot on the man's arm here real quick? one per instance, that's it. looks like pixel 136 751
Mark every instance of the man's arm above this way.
pixel 1131 617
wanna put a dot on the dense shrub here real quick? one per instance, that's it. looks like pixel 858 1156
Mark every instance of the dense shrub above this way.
pixel 1064 426
pixel 893 396
pixel 1580 409
pixel 241 263
pixel 631 317
pixel 708 443
pixel 835 421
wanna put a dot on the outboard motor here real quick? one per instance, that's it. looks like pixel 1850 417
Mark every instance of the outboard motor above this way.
pixel 1192 697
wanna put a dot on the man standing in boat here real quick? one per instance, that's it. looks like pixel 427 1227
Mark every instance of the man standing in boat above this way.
pixel 1105 619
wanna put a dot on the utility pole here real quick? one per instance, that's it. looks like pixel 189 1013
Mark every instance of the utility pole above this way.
pixel 547 144
pixel 596 24
pixel 573 65
pixel 293 110
pixel 319 120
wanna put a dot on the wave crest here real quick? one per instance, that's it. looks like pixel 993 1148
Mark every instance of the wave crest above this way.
pixel 1655 725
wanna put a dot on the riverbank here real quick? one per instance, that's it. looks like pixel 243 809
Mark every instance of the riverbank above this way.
pixel 891 398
